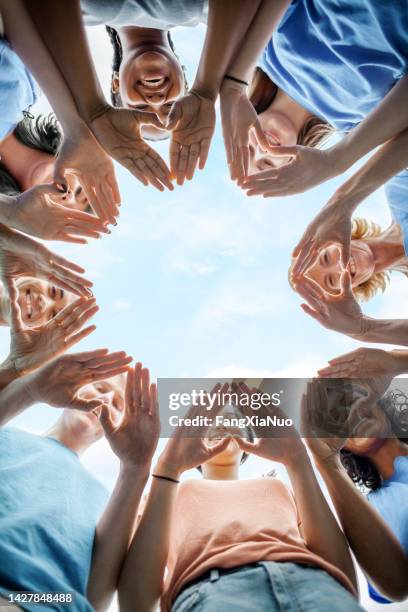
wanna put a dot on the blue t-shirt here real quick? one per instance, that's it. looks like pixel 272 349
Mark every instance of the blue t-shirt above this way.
pixel 396 191
pixel 18 90
pixel 391 501
pixel 339 58
pixel 145 13
pixel 49 508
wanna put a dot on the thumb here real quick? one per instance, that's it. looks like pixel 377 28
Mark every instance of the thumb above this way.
pixel 59 179
pixel 245 445
pixel 345 282
pixel 16 321
pixel 106 421
pixel 85 405
pixel 281 151
pixel 261 136
pixel 174 116
pixel 345 251
pixel 219 447
pixel 144 118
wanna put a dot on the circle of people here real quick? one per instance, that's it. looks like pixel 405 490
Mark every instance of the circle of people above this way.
pixel 288 75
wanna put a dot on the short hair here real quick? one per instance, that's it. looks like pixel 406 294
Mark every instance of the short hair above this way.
pixel 362 470
pixel 262 91
pixel 117 60
pixel 42 133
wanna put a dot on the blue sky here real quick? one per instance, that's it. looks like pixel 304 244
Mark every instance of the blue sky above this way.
pixel 194 282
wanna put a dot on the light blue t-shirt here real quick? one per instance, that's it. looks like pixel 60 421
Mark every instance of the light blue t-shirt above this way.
pixel 49 508
pixel 145 13
pixel 18 90
pixel 396 191
pixel 339 58
pixel 391 501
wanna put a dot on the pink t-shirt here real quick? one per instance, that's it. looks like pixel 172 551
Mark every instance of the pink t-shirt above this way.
pixel 230 523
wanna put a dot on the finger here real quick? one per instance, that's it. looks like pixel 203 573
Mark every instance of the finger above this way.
pixel 204 151
pixel 312 313
pixel 192 160
pixel 159 168
pixel 70 239
pixel 246 445
pixel 112 182
pixel 174 153
pixel 87 356
pixel 85 405
pixel 336 372
pixel 97 202
pixel 82 318
pixel 16 320
pixel 311 299
pixel 154 403
pixel 218 447
pixel 105 194
pixel 182 164
pixel 345 252
pixel 66 312
pixel 96 375
pixel 118 363
pixel 173 117
pixel 137 388
pixel 259 178
pixel 306 260
pixel 129 396
pixel 345 283
pixel 64 263
pixel 106 420
pixel 105 358
pixel 145 405
pixel 282 151
pixel 347 357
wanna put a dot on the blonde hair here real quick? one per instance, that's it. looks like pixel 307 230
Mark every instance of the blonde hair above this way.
pixel 262 90
pixel 361 229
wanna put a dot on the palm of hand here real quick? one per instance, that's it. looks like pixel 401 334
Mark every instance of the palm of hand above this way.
pixel 197 121
pixel 30 348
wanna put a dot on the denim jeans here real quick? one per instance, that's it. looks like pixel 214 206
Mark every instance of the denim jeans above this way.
pixel 267 587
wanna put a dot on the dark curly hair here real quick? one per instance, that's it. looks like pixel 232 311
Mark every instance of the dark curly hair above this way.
pixel 117 60
pixel 42 133
pixel 361 470
pixel 262 91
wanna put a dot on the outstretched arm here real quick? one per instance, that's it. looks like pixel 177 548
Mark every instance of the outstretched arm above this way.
pixel 332 225
pixel 134 441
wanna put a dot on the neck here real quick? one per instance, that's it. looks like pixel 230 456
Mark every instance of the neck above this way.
pixel 383 458
pixel 132 37
pixel 66 437
pixel 388 249
pixel 285 104
pixel 220 472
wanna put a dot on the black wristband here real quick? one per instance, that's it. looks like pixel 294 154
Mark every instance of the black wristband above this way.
pixel 232 78
pixel 166 478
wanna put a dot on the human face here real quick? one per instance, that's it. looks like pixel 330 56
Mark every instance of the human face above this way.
pixel 370 427
pixel 280 131
pixel 232 455
pixel 327 269
pixel 75 197
pixel 150 79
pixel 40 301
pixel 112 393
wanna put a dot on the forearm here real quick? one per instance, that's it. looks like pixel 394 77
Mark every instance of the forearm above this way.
pixel 367 534
pixel 391 159
pixel 28 44
pixel 319 527
pixel 53 20
pixel 14 396
pixel 386 121
pixel 113 536
pixel 228 22
pixel 268 16
pixel 141 579
pixel 385 331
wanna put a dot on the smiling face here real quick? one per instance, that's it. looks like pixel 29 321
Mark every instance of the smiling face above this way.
pixel 40 301
pixel 326 271
pixel 150 79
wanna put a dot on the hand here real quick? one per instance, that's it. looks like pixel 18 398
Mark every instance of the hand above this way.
pixel 192 121
pixel 314 409
pixel 135 438
pixel 118 132
pixel 239 118
pixel 59 382
pixel 331 226
pixel 283 445
pixel 308 168
pixel 23 256
pixel 340 312
pixel 81 156
pixel 362 363
pixel 184 453
pixel 30 348
pixel 37 212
